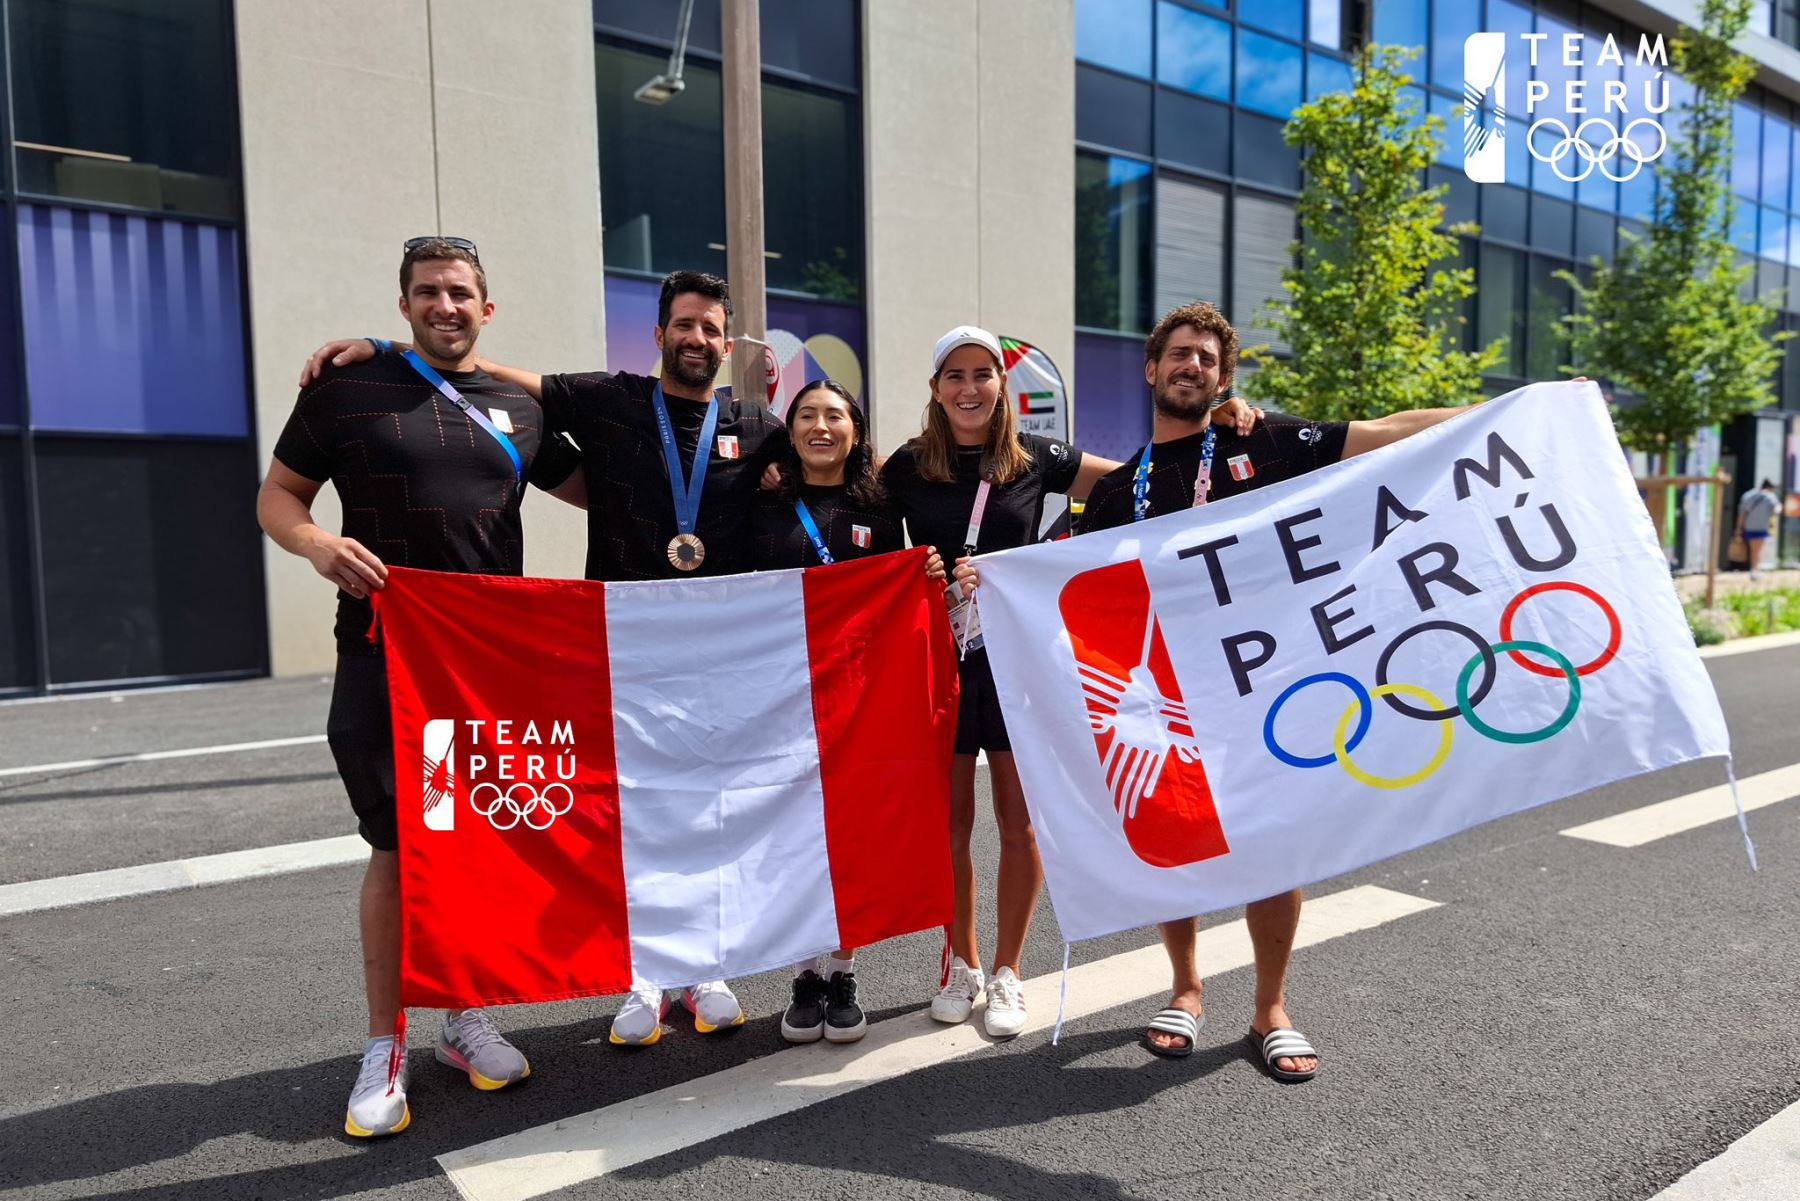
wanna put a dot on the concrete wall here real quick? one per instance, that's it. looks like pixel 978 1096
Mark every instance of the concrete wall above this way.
pixel 969 136
pixel 366 122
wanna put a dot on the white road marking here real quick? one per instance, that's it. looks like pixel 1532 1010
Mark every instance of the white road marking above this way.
pixel 31 896
pixel 38 769
pixel 586 1146
pixel 1740 646
pixel 1764 1165
pixel 1635 827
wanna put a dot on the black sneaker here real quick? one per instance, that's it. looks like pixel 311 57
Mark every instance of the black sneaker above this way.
pixel 844 1021
pixel 804 1021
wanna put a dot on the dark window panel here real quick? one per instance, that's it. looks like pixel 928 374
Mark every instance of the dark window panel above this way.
pixel 1112 405
pixel 131 591
pixel 1503 212
pixel 1593 235
pixel 1112 112
pixel 1262 156
pixel 1546 338
pixel 18 663
pixel 1500 305
pixel 1193 132
pixel 1460 201
pixel 814 38
pixel 1552 224
pixel 126 101
pixel 812 192
pixel 1113 259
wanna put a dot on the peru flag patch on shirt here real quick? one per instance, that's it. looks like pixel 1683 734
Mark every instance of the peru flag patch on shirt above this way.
pixel 1241 467
pixel 728 446
pixel 861 535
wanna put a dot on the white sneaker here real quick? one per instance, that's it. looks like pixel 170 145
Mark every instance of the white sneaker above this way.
pixel 639 1020
pixel 713 1005
pixel 1006 1004
pixel 375 1109
pixel 956 1000
pixel 472 1044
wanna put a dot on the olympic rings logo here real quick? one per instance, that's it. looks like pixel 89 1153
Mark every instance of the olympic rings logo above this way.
pixel 1361 710
pixel 1576 142
pixel 506 810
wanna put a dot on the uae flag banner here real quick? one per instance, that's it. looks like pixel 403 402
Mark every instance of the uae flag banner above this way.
pixel 1225 703
pixel 687 779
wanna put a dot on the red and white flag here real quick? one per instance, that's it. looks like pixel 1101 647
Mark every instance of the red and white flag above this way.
pixel 692 779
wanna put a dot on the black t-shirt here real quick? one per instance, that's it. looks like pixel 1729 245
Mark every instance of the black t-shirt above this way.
pixel 1279 448
pixel 850 530
pixel 422 485
pixel 937 513
pixel 631 508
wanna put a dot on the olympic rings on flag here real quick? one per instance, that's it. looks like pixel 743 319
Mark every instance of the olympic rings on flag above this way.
pixel 1345 740
pixel 538 811
pixel 1593 155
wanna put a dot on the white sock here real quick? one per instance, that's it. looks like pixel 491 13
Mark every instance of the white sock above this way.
pixel 810 965
pixel 833 964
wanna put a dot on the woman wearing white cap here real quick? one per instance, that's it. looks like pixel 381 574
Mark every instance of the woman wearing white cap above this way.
pixel 971 480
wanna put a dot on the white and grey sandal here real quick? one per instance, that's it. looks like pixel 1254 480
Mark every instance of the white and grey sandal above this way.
pixel 1284 1042
pixel 1180 1024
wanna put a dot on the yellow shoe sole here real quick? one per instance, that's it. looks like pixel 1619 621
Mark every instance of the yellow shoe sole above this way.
pixel 708 1028
pixel 651 1040
pixel 487 1086
pixel 355 1131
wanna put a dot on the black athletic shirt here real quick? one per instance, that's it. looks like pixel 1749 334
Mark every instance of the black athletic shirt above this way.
pixel 421 484
pixel 1279 448
pixel 850 530
pixel 937 513
pixel 631 509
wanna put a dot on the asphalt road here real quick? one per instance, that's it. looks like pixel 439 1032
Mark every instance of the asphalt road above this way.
pixel 1574 1021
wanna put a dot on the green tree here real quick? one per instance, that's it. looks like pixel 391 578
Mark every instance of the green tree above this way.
pixel 1373 311
pixel 1668 319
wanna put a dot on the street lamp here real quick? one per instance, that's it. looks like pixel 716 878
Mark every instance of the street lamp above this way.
pixel 666 86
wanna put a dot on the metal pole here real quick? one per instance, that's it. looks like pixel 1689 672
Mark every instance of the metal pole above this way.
pixel 744 266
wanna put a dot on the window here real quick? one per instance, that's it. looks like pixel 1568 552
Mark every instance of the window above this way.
pixel 1772 235
pixel 1113 112
pixel 1114 33
pixel 1112 243
pixel 1450 138
pixel 1500 305
pixel 1746 149
pixel 1452 21
pixel 1547 340
pixel 1269 79
pixel 814 38
pixel 1193 51
pixel 1286 17
pixel 1261 240
pixel 1777 160
pixel 812 192
pixel 1743 226
pixel 1327 74
pixel 1190 243
pixel 1325 23
pixel 1399 22
pixel 129 102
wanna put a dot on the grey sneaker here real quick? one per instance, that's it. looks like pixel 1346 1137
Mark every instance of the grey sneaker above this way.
pixel 375 1109
pixel 470 1043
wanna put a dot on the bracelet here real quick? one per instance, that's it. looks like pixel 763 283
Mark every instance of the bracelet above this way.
pixel 381 345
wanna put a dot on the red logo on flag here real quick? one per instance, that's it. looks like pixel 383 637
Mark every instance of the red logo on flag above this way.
pixel 1142 731
pixel 728 446
pixel 1241 467
pixel 861 535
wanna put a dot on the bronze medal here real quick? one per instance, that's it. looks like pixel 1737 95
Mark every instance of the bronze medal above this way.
pixel 686 552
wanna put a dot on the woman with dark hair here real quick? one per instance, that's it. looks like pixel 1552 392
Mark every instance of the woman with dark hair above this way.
pixel 831 506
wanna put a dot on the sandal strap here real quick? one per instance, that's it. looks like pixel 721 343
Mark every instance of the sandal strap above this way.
pixel 1178 1022
pixel 1286 1043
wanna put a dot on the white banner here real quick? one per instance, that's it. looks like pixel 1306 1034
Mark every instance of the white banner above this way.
pixel 1222 704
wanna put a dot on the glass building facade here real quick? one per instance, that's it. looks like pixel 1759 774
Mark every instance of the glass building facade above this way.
pixel 128 543
pixel 1185 190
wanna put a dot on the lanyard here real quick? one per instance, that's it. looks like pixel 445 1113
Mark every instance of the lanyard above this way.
pixel 812 531
pixel 472 412
pixel 1140 479
pixel 981 498
pixel 686 491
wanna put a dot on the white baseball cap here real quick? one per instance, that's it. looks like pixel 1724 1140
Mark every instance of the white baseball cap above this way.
pixel 964 335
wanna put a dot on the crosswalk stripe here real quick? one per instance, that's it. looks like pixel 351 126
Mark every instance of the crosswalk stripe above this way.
pixel 1635 827
pixel 1758 1167
pixel 585 1146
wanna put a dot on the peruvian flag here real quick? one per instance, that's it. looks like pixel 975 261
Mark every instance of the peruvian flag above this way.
pixel 689 779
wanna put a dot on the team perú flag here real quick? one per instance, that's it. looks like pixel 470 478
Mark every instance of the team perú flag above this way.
pixel 1228 702
pixel 696 778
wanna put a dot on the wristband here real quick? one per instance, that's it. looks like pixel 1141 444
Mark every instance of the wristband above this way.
pixel 381 345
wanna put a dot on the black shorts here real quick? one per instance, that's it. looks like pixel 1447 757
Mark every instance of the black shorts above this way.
pixel 360 731
pixel 979 726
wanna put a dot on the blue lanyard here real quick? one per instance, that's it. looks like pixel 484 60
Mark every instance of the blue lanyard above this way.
pixel 812 530
pixel 1140 479
pixel 686 491
pixel 472 412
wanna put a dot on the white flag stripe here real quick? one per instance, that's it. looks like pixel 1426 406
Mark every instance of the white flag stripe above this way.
pixel 585 1146
pixel 721 719
pixel 1678 815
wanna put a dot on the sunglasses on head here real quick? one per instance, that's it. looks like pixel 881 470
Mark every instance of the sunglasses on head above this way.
pixel 413 244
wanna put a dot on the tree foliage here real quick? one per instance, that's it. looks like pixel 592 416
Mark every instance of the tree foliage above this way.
pixel 1668 318
pixel 1373 310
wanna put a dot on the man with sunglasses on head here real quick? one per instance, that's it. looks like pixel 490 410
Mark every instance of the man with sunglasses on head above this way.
pixel 430 457
pixel 673 472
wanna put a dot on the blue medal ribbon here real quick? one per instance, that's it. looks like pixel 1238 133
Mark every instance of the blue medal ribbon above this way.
pixel 1140 479
pixel 686 492
pixel 812 531
pixel 471 411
